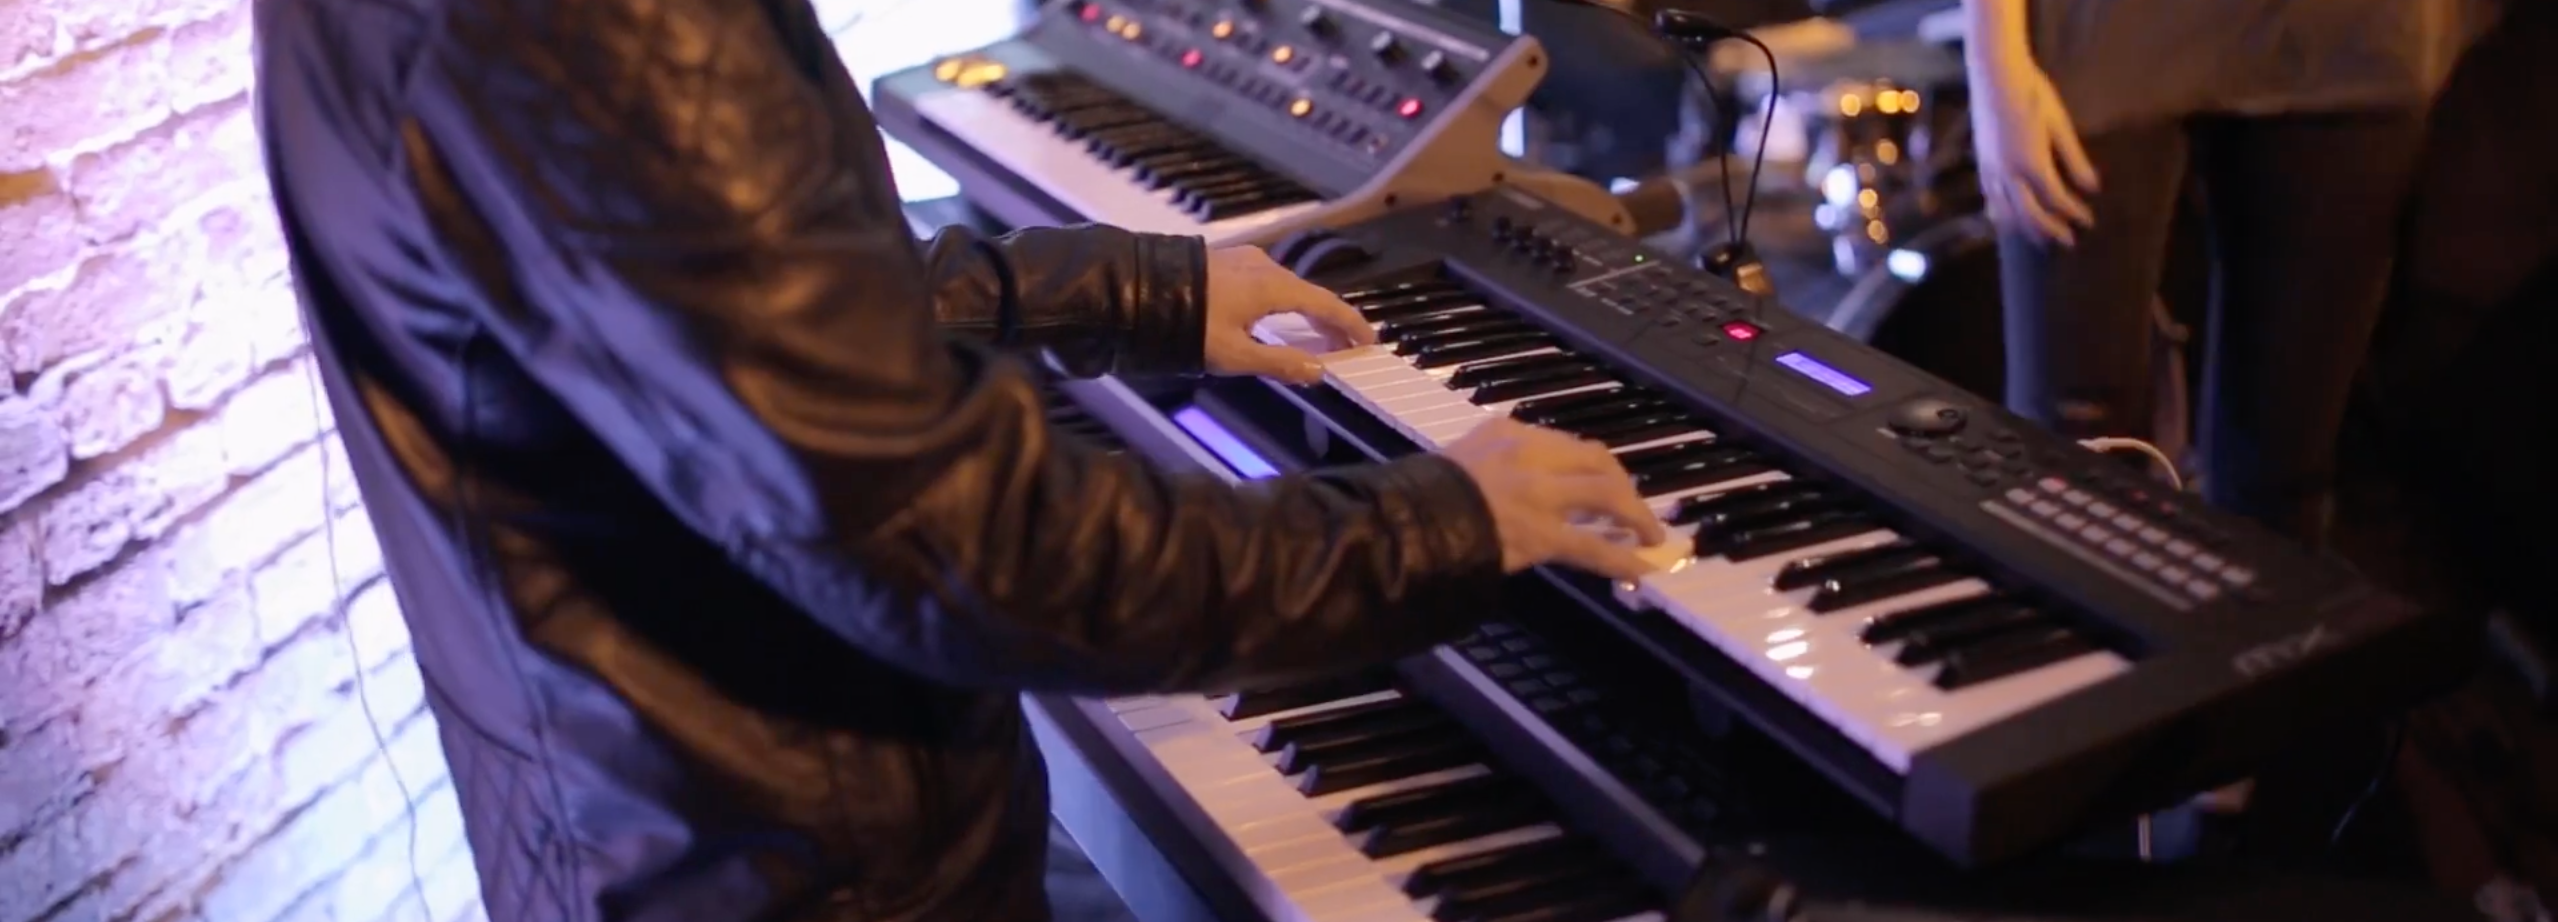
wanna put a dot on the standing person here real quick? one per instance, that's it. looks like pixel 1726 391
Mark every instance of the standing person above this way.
pixel 727 548
pixel 2302 119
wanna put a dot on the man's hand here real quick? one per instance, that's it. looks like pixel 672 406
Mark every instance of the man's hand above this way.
pixel 1244 286
pixel 1543 486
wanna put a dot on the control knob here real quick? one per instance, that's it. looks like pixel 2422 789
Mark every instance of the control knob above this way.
pixel 1436 66
pixel 1317 21
pixel 1927 417
pixel 1386 47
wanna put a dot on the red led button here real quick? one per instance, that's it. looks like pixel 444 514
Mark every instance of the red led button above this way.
pixel 1741 331
pixel 1191 58
pixel 1091 14
pixel 1409 108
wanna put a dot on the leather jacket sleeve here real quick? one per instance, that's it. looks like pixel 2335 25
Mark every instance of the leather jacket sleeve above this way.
pixel 1100 299
pixel 697 249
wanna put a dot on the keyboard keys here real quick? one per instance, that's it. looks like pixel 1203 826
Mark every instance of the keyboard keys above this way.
pixel 1803 580
pixel 1357 803
pixel 1112 160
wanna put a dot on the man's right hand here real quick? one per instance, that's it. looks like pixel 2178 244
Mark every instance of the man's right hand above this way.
pixel 1544 487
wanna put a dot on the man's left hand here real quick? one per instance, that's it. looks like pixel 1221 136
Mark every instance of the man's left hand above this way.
pixel 1244 286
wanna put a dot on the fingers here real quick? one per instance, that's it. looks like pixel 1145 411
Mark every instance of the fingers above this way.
pixel 1247 357
pixel 1582 550
pixel 2019 212
pixel 1334 315
pixel 2073 157
pixel 2056 196
pixel 1615 498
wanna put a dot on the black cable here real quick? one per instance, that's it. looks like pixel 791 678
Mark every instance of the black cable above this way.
pixel 1732 210
pixel 2379 778
pixel 1767 126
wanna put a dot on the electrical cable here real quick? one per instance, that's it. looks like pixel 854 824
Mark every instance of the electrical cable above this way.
pixel 2166 466
pixel 338 603
pixel 2379 778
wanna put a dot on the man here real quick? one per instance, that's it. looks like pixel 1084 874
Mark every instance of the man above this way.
pixel 725 566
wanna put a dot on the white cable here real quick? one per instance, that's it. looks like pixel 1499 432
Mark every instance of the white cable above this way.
pixel 2165 465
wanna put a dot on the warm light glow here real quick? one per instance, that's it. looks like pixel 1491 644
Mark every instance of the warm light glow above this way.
pixel 1301 107
pixel 1910 101
pixel 1283 54
pixel 1850 105
pixel 948 70
pixel 1887 102
pixel 1886 151
pixel 1866 198
pixel 1116 23
pixel 1134 29
pixel 1875 231
pixel 1223 29
pixel 1409 108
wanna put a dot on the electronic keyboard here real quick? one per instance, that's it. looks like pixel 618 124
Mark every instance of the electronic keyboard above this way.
pixel 1236 122
pixel 1991 635
pixel 1542 769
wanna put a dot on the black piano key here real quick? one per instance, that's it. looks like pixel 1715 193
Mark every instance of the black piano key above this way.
pixel 1415 754
pixel 1523 870
pixel 1312 746
pixel 1405 836
pixel 1543 408
pixel 1502 329
pixel 1358 296
pixel 1475 350
pixel 1482 373
pixel 1700 469
pixel 2010 656
pixel 1751 505
pixel 1794 534
pixel 1638 428
pixel 1525 388
pixel 1448 326
pixel 1862 587
pixel 1813 571
pixel 1255 703
pixel 1418 305
pixel 1606 902
pixel 1526 903
pixel 1561 851
pixel 1929 646
pixel 1612 407
pixel 1425 802
pixel 1986 612
pixel 1281 731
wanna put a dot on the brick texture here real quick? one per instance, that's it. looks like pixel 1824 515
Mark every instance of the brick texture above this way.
pixel 192 617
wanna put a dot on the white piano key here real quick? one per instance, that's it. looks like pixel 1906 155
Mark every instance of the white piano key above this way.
pixel 1063 169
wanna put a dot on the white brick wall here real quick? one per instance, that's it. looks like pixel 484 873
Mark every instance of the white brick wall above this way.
pixel 181 736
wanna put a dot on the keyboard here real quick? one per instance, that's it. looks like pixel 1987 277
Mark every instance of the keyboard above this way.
pixel 1238 124
pixel 1990 635
pixel 1542 768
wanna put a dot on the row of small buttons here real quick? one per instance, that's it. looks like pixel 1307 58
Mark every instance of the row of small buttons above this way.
pixel 2133 539
pixel 1997 455
pixel 1377 96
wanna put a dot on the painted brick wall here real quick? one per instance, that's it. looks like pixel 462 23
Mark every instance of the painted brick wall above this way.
pixel 184 663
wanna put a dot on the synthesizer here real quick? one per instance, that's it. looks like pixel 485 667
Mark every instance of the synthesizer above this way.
pixel 1992 636
pixel 1238 121
pixel 1538 770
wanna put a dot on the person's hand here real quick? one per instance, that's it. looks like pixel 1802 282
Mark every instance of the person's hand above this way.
pixel 1244 286
pixel 2034 172
pixel 1543 486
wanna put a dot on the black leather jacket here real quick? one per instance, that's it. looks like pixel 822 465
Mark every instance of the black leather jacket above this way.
pixel 726 548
